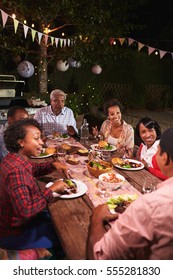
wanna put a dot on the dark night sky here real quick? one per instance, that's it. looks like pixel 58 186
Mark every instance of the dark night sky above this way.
pixel 157 17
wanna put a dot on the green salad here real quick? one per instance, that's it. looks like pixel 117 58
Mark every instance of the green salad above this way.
pixel 97 165
pixel 118 200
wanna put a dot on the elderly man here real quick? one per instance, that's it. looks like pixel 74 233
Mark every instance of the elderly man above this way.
pixel 57 117
pixel 145 229
pixel 14 114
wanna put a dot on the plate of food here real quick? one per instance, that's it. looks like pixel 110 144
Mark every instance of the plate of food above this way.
pixel 77 188
pixel 127 164
pixel 46 152
pixel 58 136
pixel 83 152
pixel 119 203
pixel 103 146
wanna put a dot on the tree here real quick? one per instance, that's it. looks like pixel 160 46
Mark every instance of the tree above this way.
pixel 89 24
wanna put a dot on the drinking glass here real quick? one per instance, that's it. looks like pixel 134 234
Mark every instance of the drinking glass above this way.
pixel 103 190
pixel 149 185
pixel 105 155
pixel 61 152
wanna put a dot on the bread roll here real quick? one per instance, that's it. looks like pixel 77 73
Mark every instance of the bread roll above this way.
pixel 65 146
pixel 117 160
pixel 50 150
pixel 72 160
pixel 102 143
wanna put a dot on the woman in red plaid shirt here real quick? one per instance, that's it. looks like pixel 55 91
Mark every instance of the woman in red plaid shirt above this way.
pixel 24 220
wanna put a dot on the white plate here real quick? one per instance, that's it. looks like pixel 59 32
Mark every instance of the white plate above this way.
pixel 132 168
pixel 94 147
pixel 50 136
pixel 81 189
pixel 45 156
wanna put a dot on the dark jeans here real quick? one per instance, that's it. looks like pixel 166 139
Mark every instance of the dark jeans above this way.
pixel 38 234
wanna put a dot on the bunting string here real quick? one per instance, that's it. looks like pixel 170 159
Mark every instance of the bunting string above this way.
pixel 59 42
pixel 47 39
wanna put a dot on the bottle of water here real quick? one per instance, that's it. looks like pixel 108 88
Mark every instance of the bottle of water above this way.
pixel 84 132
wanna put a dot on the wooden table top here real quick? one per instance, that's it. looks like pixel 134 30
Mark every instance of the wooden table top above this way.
pixel 71 217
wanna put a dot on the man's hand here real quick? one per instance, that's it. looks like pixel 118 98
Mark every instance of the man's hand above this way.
pixel 71 130
pixel 103 214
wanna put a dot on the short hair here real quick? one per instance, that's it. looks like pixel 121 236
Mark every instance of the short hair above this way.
pixel 148 123
pixel 57 92
pixel 166 145
pixel 111 103
pixel 16 131
pixel 12 111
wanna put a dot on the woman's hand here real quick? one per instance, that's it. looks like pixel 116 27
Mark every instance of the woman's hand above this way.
pixel 145 164
pixel 95 131
pixel 59 187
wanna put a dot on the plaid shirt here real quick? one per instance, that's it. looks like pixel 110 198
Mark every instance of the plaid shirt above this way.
pixel 20 197
pixel 50 122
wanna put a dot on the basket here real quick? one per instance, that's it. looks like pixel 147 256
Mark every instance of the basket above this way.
pixel 96 172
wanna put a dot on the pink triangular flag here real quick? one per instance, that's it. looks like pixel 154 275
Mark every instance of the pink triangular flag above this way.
pixel 16 23
pixel 150 50
pixel 111 41
pixel 130 40
pixel 4 18
pixel 162 53
pixel 56 41
pixel 172 55
pixel 45 38
pixel 140 46
pixel 25 29
pixel 121 40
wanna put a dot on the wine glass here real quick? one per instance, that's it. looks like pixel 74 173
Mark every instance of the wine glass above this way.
pixel 103 190
pixel 149 185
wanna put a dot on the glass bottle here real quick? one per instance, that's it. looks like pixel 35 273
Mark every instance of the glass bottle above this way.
pixel 84 132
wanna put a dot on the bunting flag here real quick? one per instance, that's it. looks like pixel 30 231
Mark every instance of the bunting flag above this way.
pixel 161 53
pixel 121 40
pixel 52 40
pixel 61 42
pixel 68 42
pixel 16 23
pixel 150 50
pixel 140 46
pixel 33 33
pixel 46 37
pixel 4 18
pixel 25 29
pixel 111 41
pixel 130 41
pixel 39 36
pixel 56 41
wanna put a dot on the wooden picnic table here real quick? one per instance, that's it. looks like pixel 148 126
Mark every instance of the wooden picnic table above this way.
pixel 71 217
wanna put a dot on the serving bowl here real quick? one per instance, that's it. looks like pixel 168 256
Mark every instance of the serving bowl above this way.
pixel 112 180
pixel 99 167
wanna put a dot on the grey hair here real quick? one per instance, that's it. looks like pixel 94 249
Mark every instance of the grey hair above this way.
pixel 56 92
